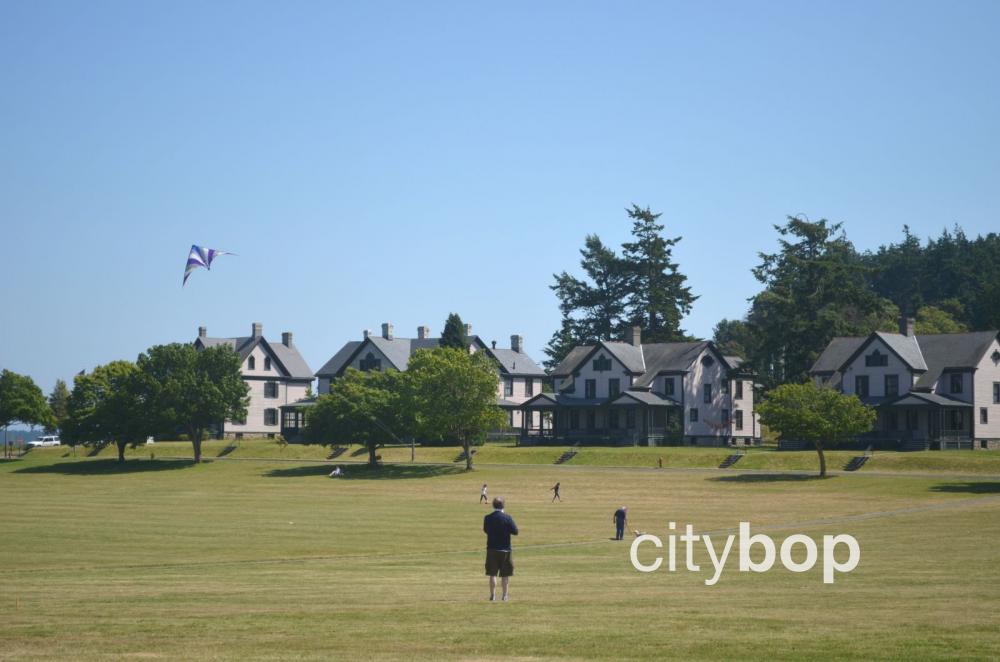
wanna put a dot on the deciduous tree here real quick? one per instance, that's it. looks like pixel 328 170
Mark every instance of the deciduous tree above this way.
pixel 452 394
pixel 191 389
pixel 21 400
pixel 820 415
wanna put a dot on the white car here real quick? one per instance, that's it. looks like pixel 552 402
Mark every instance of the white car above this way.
pixel 47 440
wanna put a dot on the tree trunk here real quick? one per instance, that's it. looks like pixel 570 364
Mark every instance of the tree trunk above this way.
pixel 196 444
pixel 468 454
pixel 822 461
pixel 372 462
pixel 121 451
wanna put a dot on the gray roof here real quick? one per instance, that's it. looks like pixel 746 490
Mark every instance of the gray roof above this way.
pixel 544 400
pixel 930 353
pixel 515 363
pixel 952 350
pixel 647 361
pixel 836 353
pixel 399 350
pixel 907 347
pixel 337 361
pixel 288 357
pixel 571 360
pixel 919 399
pixel 646 398
pixel 669 357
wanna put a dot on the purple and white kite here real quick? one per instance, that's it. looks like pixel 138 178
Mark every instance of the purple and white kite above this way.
pixel 201 257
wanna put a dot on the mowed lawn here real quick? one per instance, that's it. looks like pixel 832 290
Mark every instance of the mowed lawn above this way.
pixel 272 559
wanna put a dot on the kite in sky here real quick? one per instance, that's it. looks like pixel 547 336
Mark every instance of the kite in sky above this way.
pixel 201 257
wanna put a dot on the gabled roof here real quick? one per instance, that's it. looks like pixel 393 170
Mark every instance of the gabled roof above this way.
pixel 669 357
pixel 836 353
pixel 952 350
pixel 338 360
pixel 919 399
pixel 548 400
pixel 644 397
pixel 288 358
pixel 399 350
pixel 515 363
pixel 569 363
pixel 929 354
pixel 647 361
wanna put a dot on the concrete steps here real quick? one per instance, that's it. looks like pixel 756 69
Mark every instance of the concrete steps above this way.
pixel 730 461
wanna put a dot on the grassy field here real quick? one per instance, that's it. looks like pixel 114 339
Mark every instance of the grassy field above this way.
pixel 766 459
pixel 271 559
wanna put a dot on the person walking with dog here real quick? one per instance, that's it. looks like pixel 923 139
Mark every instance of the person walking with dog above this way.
pixel 620 517
pixel 499 527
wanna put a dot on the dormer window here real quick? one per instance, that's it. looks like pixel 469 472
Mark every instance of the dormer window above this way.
pixel 956 383
pixel 370 363
pixel 876 359
pixel 602 364
pixel 251 363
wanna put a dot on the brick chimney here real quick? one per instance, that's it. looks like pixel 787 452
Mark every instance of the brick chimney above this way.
pixel 387 330
pixel 366 333
pixel 202 332
pixel 257 329
pixel 635 337
pixel 423 332
pixel 517 343
pixel 286 338
pixel 906 325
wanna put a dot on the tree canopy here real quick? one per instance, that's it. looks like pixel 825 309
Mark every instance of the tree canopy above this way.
pixel 193 390
pixel 21 400
pixel 361 407
pixel 640 287
pixel 58 403
pixel 452 396
pixel 107 406
pixel 454 334
pixel 820 415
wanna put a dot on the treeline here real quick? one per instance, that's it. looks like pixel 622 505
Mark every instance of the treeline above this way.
pixel 816 286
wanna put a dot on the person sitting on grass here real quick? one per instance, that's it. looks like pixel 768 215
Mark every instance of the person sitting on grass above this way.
pixel 337 472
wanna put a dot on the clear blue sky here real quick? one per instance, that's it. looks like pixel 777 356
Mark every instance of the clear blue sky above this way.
pixel 398 161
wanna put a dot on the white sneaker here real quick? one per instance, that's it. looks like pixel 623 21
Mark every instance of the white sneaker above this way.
pixel 493 598
pixel 504 598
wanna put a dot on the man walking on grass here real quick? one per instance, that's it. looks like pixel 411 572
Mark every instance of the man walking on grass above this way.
pixel 621 515
pixel 499 527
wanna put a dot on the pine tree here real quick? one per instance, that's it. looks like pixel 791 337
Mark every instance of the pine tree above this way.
pixel 58 403
pixel 454 333
pixel 658 297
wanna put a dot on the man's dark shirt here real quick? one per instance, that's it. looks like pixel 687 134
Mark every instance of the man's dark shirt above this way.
pixel 619 516
pixel 498 527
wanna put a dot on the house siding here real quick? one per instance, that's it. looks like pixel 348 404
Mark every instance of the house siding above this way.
pixel 987 373
pixel 876 374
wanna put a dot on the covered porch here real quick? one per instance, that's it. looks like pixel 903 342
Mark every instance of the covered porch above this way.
pixel 633 418
pixel 919 420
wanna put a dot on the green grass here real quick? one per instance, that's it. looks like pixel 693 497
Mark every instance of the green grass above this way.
pixel 766 459
pixel 273 560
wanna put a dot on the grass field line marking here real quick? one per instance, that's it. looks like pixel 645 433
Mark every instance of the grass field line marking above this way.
pixel 857 517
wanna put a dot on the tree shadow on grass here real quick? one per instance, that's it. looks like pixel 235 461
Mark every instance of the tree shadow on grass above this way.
pixel 106 467
pixel 768 478
pixel 364 472
pixel 968 488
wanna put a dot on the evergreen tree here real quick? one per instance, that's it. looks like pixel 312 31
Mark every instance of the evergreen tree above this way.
pixel 657 295
pixel 454 333
pixel 58 402
pixel 816 287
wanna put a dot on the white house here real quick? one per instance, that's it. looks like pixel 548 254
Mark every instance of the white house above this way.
pixel 648 394
pixel 276 373
pixel 520 376
pixel 931 391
